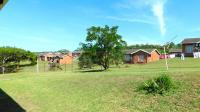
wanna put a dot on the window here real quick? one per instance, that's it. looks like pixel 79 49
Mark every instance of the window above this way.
pixel 189 49
pixel 128 58
pixel 141 58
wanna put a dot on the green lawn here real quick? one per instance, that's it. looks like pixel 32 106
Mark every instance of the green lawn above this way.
pixel 112 91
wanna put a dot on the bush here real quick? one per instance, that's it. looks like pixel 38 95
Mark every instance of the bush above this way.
pixel 9 69
pixel 54 66
pixel 158 85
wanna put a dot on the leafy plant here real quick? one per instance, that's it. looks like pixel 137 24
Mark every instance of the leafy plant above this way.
pixel 158 85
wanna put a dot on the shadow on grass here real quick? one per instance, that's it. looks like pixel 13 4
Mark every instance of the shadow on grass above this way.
pixel 27 65
pixel 7 104
pixel 85 71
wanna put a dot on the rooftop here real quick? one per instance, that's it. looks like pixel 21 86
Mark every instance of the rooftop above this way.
pixel 175 50
pixel 191 40
pixel 132 51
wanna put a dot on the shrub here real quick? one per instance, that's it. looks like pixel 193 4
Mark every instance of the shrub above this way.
pixel 54 66
pixel 158 85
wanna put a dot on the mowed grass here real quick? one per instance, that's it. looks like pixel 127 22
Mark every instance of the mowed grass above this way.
pixel 114 90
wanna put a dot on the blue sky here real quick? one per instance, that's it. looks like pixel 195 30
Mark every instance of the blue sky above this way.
pixel 50 25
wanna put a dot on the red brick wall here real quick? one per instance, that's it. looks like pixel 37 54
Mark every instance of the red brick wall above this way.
pixel 154 56
pixel 136 57
pixel 147 58
pixel 67 59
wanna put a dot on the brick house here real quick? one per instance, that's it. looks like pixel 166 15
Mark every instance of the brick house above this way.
pixel 58 57
pixel 142 56
pixel 66 59
pixel 190 45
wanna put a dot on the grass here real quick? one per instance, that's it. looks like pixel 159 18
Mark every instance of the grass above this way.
pixel 111 91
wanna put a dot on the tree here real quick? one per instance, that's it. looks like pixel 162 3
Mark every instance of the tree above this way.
pixel 12 56
pixel 103 46
pixel 63 51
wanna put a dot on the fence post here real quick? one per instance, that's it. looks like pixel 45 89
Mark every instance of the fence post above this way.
pixel 37 66
pixel 44 67
pixel 65 67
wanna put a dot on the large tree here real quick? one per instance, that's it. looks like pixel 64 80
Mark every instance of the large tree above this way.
pixel 12 56
pixel 104 46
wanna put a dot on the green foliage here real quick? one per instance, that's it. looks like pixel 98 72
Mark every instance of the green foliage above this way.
pixel 103 47
pixel 168 46
pixel 85 61
pixel 13 56
pixel 158 85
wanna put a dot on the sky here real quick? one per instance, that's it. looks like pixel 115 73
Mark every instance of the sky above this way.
pixel 50 25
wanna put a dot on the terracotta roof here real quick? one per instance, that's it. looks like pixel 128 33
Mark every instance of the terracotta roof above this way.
pixel 191 40
pixel 133 51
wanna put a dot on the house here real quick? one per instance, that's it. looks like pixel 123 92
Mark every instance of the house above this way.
pixel 66 59
pixel 58 57
pixel 190 45
pixel 2 3
pixel 76 53
pixel 175 53
pixel 163 56
pixel 141 56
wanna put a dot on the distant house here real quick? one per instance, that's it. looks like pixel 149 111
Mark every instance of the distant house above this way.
pixel 163 56
pixel 142 56
pixel 175 53
pixel 76 53
pixel 66 59
pixel 190 45
pixel 58 57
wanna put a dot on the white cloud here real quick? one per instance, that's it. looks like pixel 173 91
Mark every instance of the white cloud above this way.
pixel 158 11
pixel 157 8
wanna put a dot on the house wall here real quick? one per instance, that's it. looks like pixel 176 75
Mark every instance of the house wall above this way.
pixel 128 58
pixel 154 56
pixel 184 50
pixel 135 57
pixel 67 59
pixel 42 58
pixel 147 58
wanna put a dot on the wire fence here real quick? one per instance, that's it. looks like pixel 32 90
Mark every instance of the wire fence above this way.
pixel 47 67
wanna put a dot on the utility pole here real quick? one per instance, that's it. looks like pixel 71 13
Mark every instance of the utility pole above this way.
pixel 72 64
pixel 3 68
pixel 166 63
pixel 37 65
pixel 65 66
